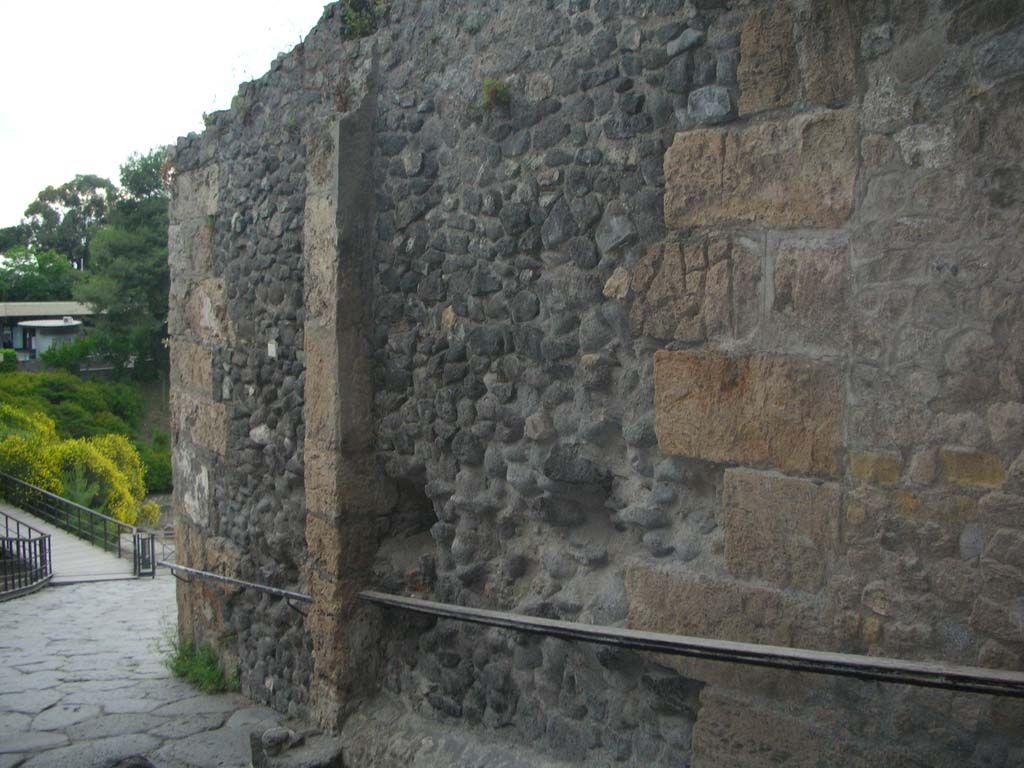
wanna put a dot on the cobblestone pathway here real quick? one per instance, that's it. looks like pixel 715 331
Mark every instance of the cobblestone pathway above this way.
pixel 82 684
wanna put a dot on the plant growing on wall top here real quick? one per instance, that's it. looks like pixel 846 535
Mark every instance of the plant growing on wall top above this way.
pixel 359 18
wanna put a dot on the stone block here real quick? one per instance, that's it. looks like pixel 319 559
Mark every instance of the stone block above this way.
pixel 190 247
pixel 726 734
pixel 191 488
pixel 667 296
pixel 199 421
pixel 829 48
pixel 321 403
pixel 809 294
pixel 206 314
pixel 780 529
pixel 963 466
pixel 320 247
pixel 764 410
pixel 786 173
pixel 685 603
pixel 875 467
pixel 195 194
pixel 192 367
pixel 320 480
pixel 767 73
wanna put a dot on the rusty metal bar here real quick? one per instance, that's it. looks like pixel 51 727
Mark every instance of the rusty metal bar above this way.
pixel 900 671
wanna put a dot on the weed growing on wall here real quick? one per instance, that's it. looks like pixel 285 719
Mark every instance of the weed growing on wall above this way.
pixel 360 17
pixel 496 94
pixel 198 666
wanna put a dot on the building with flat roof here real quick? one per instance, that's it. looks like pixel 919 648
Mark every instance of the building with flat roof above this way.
pixel 32 327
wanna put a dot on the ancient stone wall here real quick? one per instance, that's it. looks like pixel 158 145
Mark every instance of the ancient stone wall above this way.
pixel 715 327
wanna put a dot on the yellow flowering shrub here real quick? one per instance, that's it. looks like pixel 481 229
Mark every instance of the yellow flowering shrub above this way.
pixel 31 451
pixel 116 498
pixel 30 459
pixel 126 458
pixel 14 421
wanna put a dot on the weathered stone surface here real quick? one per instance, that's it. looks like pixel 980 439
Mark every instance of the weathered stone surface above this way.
pixel 195 194
pixel 192 367
pixel 966 467
pixel 190 247
pixel 774 411
pixel 680 602
pixel 874 467
pixel 809 294
pixel 794 173
pixel 200 421
pixel 830 54
pixel 779 529
pixel 206 312
pixel 767 72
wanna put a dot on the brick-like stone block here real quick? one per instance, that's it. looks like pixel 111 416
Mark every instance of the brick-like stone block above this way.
pixel 684 603
pixel 192 367
pixel 191 491
pixel 781 529
pixel 199 421
pixel 789 173
pixel 195 194
pixel 727 734
pixel 967 467
pixel 830 47
pixel 878 468
pixel 760 410
pixel 809 294
pixel 190 247
pixel 322 395
pixel 320 247
pixel 205 314
pixel 767 74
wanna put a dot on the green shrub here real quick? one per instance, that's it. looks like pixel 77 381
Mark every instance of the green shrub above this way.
pixel 79 408
pixel 359 17
pixel 8 361
pixel 156 457
pixel 69 357
pixel 199 667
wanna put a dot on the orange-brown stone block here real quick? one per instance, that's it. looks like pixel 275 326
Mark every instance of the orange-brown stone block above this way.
pixel 762 410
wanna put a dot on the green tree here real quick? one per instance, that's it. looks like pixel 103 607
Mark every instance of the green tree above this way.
pixel 128 277
pixel 28 275
pixel 13 236
pixel 64 218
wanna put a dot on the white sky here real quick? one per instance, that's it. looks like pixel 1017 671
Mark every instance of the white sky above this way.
pixel 85 84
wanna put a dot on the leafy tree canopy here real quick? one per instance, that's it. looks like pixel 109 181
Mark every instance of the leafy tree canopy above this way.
pixel 63 218
pixel 29 275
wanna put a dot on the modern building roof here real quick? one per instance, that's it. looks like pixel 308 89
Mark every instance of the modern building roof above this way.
pixel 43 309
pixel 66 322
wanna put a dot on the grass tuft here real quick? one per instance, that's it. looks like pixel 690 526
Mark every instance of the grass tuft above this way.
pixel 199 667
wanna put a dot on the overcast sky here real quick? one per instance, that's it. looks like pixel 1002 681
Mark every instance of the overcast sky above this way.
pixel 83 85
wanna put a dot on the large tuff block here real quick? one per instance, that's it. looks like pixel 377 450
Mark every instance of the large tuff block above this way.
pixel 199 421
pixel 780 529
pixel 768 75
pixel 680 602
pixel 192 367
pixel 196 194
pixel 764 410
pixel 787 173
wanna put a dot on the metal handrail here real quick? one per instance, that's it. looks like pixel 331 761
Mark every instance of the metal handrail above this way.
pixel 996 682
pixel 26 562
pixel 924 674
pixel 95 527
pixel 206 575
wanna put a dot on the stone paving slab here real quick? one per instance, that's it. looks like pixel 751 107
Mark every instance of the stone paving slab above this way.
pixel 82 684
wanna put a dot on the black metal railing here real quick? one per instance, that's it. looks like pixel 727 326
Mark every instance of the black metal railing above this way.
pixel 26 561
pixel 997 682
pixel 88 524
